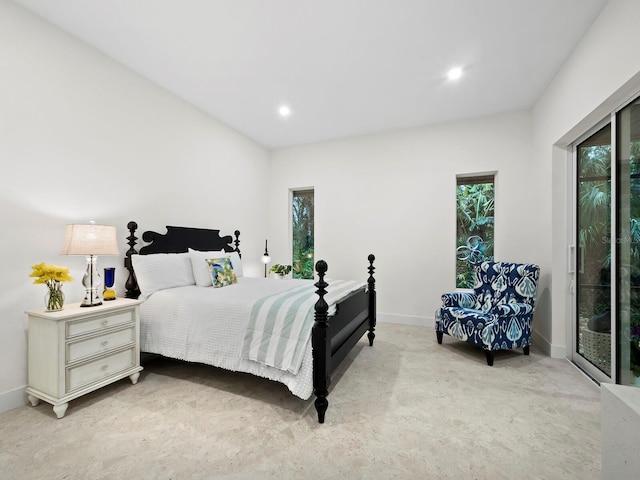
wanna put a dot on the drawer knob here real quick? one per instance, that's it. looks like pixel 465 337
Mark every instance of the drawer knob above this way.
pixel 105 323
pixel 105 343
pixel 104 367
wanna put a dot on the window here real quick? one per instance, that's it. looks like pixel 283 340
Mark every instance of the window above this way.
pixel 474 225
pixel 302 227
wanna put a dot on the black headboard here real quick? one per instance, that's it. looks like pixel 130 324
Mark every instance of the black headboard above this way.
pixel 176 240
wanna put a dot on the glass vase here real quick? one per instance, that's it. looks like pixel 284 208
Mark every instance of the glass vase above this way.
pixel 54 300
pixel 109 292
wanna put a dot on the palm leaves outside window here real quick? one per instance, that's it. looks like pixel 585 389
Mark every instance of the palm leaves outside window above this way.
pixel 475 201
pixel 302 226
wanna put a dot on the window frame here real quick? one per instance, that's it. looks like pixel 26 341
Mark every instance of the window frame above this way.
pixel 293 192
pixel 474 179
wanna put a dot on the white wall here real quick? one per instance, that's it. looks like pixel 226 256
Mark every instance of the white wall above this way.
pixel 601 74
pixel 402 206
pixel 83 138
pixel 393 195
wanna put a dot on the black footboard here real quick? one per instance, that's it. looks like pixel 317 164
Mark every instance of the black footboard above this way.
pixel 333 337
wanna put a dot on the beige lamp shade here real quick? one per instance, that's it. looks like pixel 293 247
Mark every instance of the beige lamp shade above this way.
pixel 90 240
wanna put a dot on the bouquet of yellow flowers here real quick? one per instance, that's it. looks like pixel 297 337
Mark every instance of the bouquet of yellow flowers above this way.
pixel 52 276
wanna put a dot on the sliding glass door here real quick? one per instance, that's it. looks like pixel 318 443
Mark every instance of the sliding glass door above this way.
pixel 607 279
pixel 593 272
pixel 628 244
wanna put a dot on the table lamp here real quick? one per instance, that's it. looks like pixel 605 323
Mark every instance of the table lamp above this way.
pixel 265 258
pixel 90 240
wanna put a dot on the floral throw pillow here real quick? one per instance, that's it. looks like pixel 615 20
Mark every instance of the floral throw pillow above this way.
pixel 221 270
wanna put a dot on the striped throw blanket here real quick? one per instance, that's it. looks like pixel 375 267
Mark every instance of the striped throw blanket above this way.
pixel 280 324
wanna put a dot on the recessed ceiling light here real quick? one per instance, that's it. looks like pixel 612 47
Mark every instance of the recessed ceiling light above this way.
pixel 454 73
pixel 284 111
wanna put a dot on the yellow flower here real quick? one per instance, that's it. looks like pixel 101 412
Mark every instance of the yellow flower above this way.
pixel 49 274
pixel 52 276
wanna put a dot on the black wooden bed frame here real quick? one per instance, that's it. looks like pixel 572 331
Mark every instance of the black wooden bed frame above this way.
pixel 332 337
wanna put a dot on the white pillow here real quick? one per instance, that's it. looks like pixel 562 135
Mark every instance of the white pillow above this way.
pixel 236 262
pixel 200 267
pixel 159 271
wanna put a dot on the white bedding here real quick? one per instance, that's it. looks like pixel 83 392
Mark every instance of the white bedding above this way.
pixel 208 325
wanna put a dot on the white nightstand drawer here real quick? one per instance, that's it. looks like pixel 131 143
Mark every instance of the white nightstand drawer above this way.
pixel 99 369
pixel 100 344
pixel 95 324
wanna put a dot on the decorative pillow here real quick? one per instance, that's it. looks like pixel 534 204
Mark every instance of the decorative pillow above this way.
pixel 221 272
pixel 159 271
pixel 200 267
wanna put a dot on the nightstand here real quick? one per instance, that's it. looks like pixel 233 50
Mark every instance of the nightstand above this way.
pixel 80 349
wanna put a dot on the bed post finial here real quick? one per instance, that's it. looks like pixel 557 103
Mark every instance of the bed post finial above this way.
pixel 237 242
pixel 372 300
pixel 131 284
pixel 321 344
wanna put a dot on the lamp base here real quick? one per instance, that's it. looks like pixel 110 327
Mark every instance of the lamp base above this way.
pixel 91 281
pixel 91 298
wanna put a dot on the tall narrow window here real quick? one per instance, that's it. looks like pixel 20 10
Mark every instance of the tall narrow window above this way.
pixel 474 224
pixel 302 223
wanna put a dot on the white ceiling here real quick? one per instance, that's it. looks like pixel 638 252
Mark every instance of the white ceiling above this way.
pixel 345 67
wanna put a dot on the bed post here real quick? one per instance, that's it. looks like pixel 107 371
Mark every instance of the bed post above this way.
pixel 372 300
pixel 131 284
pixel 237 242
pixel 321 344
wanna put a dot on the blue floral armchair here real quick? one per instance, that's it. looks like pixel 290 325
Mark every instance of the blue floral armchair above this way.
pixel 498 314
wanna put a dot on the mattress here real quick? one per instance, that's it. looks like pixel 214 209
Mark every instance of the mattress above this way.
pixel 208 325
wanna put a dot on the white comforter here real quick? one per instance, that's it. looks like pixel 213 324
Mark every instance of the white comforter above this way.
pixel 208 325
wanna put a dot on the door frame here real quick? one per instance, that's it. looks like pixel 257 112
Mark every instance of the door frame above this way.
pixel 574 252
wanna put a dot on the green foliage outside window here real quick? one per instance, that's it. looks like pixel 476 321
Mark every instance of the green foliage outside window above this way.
pixel 302 224
pixel 634 260
pixel 594 231
pixel 475 226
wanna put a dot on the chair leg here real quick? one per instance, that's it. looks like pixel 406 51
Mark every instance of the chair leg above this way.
pixel 439 337
pixel 526 350
pixel 489 354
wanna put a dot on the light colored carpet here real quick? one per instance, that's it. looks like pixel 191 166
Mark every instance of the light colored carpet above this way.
pixel 407 408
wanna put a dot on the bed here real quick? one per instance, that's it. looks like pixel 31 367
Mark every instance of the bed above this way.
pixel 223 327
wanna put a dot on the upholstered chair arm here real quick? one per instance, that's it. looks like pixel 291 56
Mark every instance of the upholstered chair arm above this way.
pixel 511 309
pixel 459 299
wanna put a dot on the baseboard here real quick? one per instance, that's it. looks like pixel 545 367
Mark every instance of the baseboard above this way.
pixel 12 399
pixel 554 351
pixel 558 351
pixel 406 320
